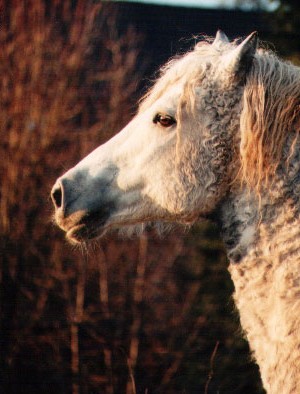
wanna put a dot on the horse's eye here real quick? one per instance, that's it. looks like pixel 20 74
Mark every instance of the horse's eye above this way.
pixel 164 120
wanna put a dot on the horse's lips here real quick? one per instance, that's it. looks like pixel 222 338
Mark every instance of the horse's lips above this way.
pixel 73 233
pixel 89 225
pixel 81 233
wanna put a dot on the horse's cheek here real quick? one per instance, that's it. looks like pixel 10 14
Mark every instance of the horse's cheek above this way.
pixel 202 173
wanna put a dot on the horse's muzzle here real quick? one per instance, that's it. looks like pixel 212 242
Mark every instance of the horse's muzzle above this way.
pixel 80 223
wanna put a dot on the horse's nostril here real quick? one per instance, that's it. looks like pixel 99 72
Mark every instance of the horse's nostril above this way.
pixel 56 195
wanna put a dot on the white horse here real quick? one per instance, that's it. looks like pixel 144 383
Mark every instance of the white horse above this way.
pixel 217 135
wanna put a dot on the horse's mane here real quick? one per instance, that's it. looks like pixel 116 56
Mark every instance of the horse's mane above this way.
pixel 271 104
pixel 271 112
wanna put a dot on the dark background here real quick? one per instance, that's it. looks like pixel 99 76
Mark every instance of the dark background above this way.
pixel 171 30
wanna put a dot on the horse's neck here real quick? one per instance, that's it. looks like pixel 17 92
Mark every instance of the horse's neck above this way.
pixel 264 248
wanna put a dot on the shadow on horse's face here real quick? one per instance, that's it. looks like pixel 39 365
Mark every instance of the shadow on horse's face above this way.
pixel 170 163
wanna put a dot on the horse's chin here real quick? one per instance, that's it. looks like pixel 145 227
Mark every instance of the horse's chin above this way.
pixel 86 231
pixel 83 226
pixel 88 228
pixel 83 234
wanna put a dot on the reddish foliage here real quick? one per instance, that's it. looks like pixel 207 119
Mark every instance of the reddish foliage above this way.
pixel 126 316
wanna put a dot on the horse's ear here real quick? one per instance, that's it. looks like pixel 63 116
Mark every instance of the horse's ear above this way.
pixel 220 40
pixel 240 59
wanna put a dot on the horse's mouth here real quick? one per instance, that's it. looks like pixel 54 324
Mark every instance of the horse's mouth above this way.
pixel 83 227
pixel 82 233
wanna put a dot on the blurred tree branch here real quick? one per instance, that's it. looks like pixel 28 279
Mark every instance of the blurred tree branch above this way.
pixel 57 103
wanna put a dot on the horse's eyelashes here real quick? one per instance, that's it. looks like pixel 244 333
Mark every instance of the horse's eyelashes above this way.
pixel 164 120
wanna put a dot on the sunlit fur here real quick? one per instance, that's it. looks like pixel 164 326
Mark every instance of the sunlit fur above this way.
pixel 271 111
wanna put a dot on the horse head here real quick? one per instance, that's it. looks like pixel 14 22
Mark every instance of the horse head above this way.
pixel 176 159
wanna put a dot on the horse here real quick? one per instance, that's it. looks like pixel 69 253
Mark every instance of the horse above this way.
pixel 215 137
